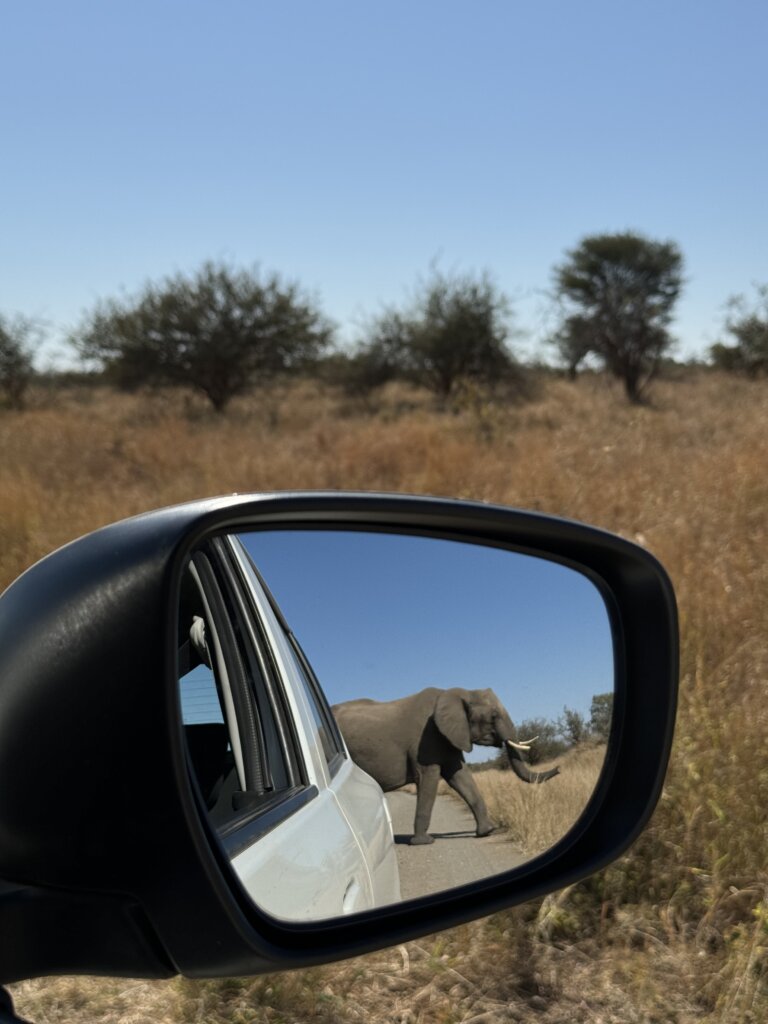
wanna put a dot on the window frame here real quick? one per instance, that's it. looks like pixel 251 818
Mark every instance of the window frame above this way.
pixel 315 693
pixel 336 757
pixel 273 700
pixel 263 694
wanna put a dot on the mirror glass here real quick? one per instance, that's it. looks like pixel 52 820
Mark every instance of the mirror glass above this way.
pixel 375 716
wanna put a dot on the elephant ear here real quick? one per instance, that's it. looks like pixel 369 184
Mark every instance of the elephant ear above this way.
pixel 451 718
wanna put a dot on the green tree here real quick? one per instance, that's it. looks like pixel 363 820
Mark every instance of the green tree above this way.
pixel 749 326
pixel 726 357
pixel 380 359
pixel 17 371
pixel 218 331
pixel 455 330
pixel 623 287
pixel 600 713
pixel 572 727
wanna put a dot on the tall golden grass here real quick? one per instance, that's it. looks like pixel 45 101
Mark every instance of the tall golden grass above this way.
pixel 676 930
pixel 536 817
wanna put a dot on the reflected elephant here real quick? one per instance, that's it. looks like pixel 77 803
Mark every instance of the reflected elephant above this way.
pixel 423 737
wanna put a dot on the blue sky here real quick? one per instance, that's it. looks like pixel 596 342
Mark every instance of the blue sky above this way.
pixel 349 145
pixel 384 616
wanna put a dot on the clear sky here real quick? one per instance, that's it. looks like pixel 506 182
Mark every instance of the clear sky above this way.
pixel 349 144
pixel 384 616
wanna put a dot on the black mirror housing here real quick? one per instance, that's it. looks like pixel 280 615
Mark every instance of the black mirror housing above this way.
pixel 108 865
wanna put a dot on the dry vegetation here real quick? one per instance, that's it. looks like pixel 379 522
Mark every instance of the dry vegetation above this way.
pixel 537 816
pixel 677 930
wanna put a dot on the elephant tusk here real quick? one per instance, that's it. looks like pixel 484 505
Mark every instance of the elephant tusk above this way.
pixel 519 746
pixel 527 743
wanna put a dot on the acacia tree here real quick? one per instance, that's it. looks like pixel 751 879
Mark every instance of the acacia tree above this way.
pixel 601 715
pixel 16 360
pixel 379 359
pixel 748 325
pixel 572 727
pixel 455 329
pixel 217 331
pixel 623 288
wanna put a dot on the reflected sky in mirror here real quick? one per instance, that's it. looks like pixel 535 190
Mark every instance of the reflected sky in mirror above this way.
pixel 382 615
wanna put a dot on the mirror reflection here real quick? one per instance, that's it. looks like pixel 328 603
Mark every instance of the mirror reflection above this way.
pixel 373 716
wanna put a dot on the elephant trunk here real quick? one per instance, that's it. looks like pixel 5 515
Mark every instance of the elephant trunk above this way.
pixel 505 731
pixel 521 769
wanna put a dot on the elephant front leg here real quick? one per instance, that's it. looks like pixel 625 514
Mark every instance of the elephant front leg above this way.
pixel 465 785
pixel 427 779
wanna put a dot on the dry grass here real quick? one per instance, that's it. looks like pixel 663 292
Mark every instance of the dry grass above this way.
pixel 537 816
pixel 677 930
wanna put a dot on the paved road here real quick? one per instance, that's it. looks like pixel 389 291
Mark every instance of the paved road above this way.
pixel 456 857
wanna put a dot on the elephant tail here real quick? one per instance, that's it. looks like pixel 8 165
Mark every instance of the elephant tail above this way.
pixel 521 769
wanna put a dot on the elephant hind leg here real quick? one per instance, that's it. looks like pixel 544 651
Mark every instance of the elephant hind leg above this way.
pixel 464 784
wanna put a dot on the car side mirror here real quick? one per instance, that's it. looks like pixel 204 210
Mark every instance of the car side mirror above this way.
pixel 228 725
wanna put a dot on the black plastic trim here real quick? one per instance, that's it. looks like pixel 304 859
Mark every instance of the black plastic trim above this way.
pixel 242 833
pixel 270 674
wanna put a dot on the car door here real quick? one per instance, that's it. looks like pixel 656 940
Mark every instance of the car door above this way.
pixel 267 765
pixel 358 796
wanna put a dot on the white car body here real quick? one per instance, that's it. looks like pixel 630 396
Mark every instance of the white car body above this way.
pixel 334 856
pixel 333 852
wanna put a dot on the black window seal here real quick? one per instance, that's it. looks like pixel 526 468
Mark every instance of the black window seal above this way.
pixel 248 727
pixel 267 666
pixel 317 691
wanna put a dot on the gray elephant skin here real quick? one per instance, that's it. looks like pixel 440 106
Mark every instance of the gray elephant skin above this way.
pixel 423 737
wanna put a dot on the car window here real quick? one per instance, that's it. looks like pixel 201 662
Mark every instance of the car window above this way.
pixel 210 726
pixel 293 663
pixel 266 689
pixel 237 742
pixel 200 702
